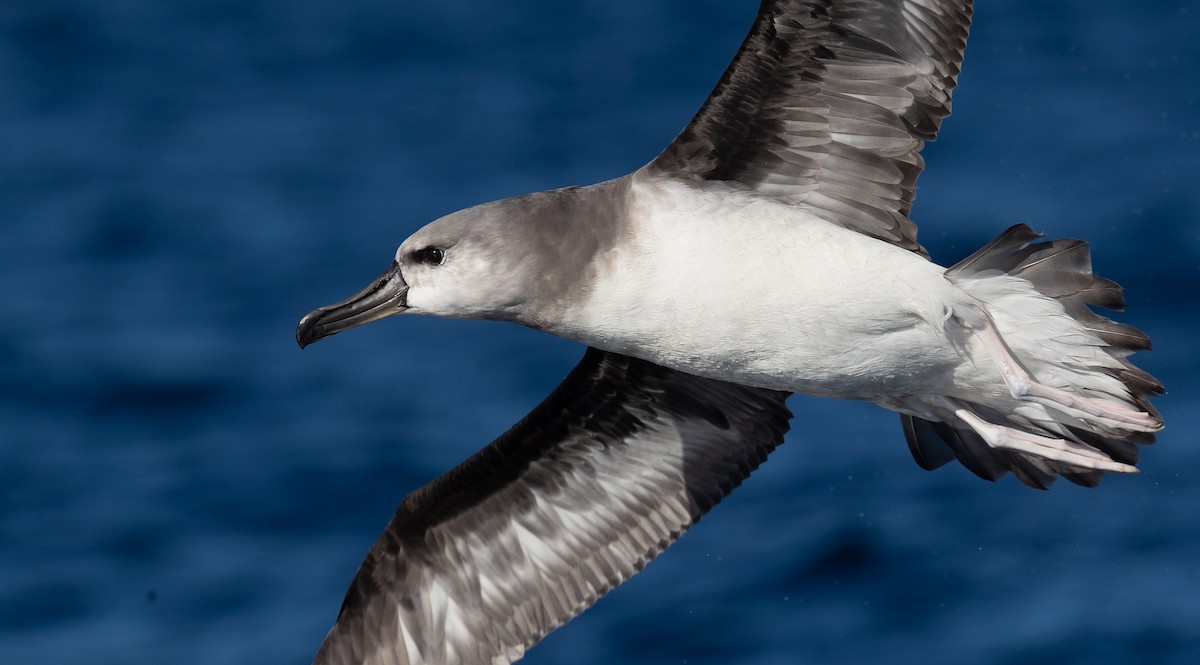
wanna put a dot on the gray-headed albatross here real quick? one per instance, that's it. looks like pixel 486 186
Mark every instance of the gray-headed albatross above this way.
pixel 767 250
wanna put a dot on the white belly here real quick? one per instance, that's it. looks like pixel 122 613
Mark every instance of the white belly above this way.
pixel 740 288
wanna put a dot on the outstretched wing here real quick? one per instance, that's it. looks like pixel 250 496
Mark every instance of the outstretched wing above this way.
pixel 595 482
pixel 827 106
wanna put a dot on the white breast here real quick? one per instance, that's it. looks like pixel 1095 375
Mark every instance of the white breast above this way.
pixel 733 286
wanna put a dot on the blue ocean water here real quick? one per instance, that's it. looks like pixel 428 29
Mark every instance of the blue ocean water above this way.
pixel 180 181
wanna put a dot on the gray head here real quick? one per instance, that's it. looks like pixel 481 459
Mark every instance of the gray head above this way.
pixel 518 259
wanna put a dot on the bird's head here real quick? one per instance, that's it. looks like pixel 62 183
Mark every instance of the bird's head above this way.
pixel 459 266
pixel 511 260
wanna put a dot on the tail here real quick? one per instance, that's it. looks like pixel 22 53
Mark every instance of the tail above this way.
pixel 1086 354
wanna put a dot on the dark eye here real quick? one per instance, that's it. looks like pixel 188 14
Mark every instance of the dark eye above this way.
pixel 429 255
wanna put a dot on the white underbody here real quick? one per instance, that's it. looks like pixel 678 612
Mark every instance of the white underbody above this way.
pixel 725 284
pixel 737 287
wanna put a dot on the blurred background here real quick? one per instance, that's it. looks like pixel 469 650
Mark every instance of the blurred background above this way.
pixel 181 181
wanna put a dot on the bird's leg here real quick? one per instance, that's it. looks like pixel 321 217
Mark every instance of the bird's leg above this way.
pixel 1058 450
pixel 1045 447
pixel 1022 385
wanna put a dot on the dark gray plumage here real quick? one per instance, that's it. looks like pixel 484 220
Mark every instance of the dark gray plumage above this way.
pixel 600 478
pixel 827 106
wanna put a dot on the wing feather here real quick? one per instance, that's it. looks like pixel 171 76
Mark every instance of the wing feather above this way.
pixel 827 105
pixel 599 479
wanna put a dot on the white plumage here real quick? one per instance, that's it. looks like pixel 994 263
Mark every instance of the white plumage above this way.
pixel 734 286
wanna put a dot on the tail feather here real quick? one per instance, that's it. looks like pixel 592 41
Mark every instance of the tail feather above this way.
pixel 927 446
pixel 1061 270
pixel 1031 471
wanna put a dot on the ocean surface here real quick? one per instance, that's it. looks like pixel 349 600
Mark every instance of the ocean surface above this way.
pixel 181 181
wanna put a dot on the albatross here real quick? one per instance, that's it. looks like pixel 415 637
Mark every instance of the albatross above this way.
pixel 767 250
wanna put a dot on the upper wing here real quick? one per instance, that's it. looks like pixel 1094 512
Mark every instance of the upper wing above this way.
pixel 827 106
pixel 595 482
